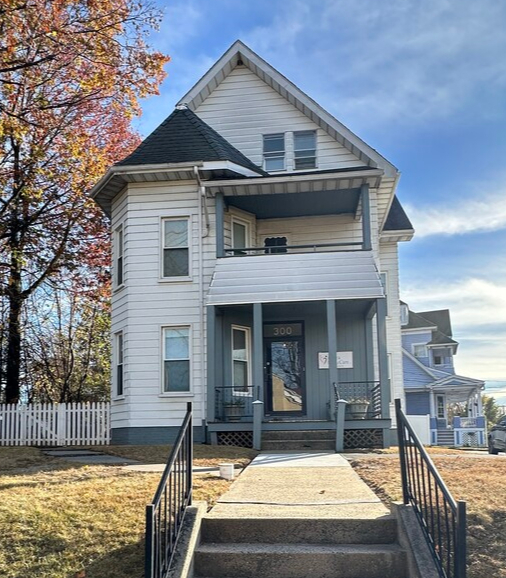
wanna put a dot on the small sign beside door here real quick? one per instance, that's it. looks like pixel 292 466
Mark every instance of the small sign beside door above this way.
pixel 344 360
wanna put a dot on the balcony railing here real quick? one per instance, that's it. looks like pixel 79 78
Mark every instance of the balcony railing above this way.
pixel 234 404
pixel 367 393
pixel 280 249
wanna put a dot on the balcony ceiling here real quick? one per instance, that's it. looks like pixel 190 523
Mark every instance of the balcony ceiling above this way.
pixel 298 204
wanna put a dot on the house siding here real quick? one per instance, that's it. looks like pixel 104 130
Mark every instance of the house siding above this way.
pixel 408 340
pixel 243 107
pixel 414 375
pixel 418 403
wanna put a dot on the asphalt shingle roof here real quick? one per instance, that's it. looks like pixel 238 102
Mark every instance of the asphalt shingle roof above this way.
pixel 397 220
pixel 440 318
pixel 184 137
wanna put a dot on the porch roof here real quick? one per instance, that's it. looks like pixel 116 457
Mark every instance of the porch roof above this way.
pixel 295 277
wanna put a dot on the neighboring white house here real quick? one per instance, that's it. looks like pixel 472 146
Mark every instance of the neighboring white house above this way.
pixel 255 252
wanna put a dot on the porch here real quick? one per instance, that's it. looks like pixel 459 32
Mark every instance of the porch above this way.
pixel 295 359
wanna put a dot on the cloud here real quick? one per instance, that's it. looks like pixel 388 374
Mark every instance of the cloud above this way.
pixel 479 214
pixel 390 61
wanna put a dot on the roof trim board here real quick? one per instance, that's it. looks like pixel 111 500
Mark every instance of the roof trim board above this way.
pixel 240 52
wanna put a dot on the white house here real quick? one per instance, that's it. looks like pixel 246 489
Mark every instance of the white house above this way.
pixel 255 257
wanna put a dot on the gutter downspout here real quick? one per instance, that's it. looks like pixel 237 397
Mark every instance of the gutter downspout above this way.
pixel 201 193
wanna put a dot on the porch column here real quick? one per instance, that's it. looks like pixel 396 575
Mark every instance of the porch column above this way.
pixel 479 407
pixel 220 225
pixel 369 343
pixel 332 343
pixel 258 351
pixel 366 218
pixel 381 314
pixel 211 362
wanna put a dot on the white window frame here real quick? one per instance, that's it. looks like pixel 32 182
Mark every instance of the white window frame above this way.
pixel 119 256
pixel 413 345
pixel 445 414
pixel 119 362
pixel 247 331
pixel 404 315
pixel 280 154
pixel 188 393
pixel 315 132
pixel 182 278
pixel 246 224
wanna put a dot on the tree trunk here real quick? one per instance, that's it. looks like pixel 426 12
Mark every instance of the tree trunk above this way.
pixel 15 297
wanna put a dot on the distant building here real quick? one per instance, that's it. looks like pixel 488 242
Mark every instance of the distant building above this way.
pixel 432 388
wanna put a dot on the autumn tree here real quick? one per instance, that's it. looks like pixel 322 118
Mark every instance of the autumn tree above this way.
pixel 71 74
pixel 491 410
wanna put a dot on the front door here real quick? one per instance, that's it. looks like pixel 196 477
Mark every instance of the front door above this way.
pixel 284 368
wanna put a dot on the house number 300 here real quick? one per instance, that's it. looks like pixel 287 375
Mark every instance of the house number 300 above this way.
pixel 282 331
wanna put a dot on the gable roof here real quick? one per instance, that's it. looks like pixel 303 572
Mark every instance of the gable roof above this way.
pixel 397 220
pixel 439 338
pixel 184 137
pixel 440 318
pixel 239 53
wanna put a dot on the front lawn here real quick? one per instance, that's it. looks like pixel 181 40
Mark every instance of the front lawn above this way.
pixel 62 520
pixel 481 481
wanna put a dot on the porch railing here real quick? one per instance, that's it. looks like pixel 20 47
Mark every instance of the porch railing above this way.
pixel 277 249
pixel 165 514
pixel 233 404
pixel 357 391
pixel 441 518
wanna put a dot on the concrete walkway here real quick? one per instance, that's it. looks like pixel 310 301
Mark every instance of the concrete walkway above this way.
pixel 293 484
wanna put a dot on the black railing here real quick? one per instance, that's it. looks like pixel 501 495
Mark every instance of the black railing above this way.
pixel 165 514
pixel 368 392
pixel 441 518
pixel 276 250
pixel 233 403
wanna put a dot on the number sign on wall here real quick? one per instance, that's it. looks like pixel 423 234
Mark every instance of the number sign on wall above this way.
pixel 283 330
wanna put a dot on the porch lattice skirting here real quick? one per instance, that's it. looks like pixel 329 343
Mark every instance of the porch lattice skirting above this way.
pixel 353 439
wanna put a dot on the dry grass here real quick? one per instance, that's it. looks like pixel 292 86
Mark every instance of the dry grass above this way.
pixel 203 455
pixel 479 481
pixel 58 519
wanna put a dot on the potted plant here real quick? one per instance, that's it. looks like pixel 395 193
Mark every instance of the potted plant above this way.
pixel 233 409
pixel 357 408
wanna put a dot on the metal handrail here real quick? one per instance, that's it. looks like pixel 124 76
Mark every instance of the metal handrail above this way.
pixel 165 514
pixel 441 517
pixel 275 249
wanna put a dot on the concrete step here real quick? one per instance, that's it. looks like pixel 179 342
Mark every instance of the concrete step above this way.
pixel 381 530
pixel 322 434
pixel 297 444
pixel 299 561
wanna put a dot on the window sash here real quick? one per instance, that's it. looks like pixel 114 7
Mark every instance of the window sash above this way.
pixel 176 359
pixel 175 248
pixel 274 151
pixel 237 226
pixel 119 256
pixel 241 366
pixel 419 350
pixel 119 364
pixel 304 144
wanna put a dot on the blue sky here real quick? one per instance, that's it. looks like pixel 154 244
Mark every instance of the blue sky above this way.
pixel 422 82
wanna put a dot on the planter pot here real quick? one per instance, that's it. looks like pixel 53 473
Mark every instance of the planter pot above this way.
pixel 233 412
pixel 357 410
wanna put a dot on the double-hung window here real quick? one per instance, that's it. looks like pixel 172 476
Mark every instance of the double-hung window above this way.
pixel 175 248
pixel 304 145
pixel 119 243
pixel 119 364
pixel 274 152
pixel 176 359
pixel 420 350
pixel 241 359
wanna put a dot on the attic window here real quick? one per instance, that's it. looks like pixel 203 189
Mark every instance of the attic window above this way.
pixel 274 152
pixel 304 144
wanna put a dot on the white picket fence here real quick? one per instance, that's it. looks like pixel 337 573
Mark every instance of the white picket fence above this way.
pixel 63 424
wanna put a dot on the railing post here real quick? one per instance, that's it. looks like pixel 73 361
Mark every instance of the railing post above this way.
pixel 460 546
pixel 341 410
pixel 366 218
pixel 258 413
pixel 189 457
pixel 402 450
pixel 149 560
